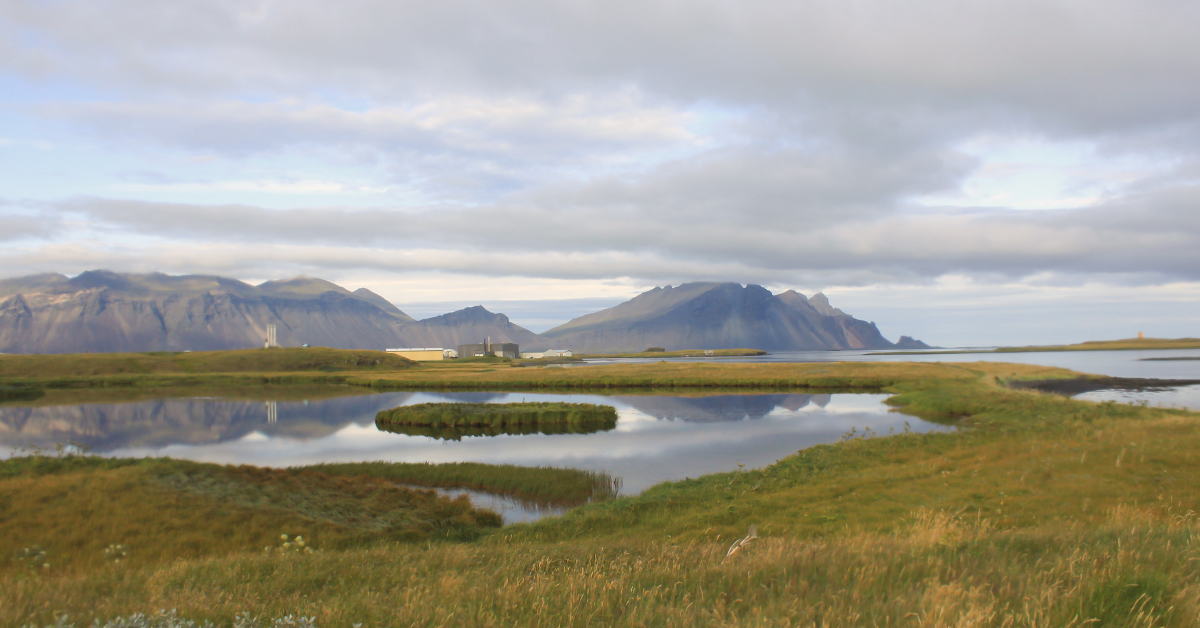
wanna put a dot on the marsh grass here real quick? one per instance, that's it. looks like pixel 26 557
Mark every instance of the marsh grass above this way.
pixel 278 360
pixel 453 421
pixel 559 416
pixel 675 376
pixel 1043 511
pixel 77 506
pixel 459 432
pixel 659 352
pixel 543 486
pixel 236 391
pixel 1132 568
pixel 20 393
pixel 1126 344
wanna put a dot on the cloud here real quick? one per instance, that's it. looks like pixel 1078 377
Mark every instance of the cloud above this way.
pixel 782 143
pixel 1155 236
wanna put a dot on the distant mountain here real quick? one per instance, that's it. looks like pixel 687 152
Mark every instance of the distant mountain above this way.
pixel 910 343
pixel 103 311
pixel 718 316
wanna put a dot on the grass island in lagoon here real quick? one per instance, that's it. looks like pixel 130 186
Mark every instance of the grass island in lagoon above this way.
pixel 1038 510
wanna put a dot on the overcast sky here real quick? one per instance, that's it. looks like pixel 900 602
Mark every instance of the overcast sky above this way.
pixel 968 172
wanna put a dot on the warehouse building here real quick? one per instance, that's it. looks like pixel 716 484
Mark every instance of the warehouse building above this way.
pixel 487 347
pixel 421 354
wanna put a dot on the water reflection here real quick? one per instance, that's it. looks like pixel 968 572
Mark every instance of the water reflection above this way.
pixel 657 438
pixel 721 407
pixel 1183 397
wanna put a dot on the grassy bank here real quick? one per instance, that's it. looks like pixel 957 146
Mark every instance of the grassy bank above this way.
pixel 277 360
pixel 541 486
pixel 167 509
pixel 1047 511
pixel 1129 344
pixel 843 376
pixel 115 371
pixel 686 353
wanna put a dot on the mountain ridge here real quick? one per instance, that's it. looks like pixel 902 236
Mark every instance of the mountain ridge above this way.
pixel 718 316
pixel 104 311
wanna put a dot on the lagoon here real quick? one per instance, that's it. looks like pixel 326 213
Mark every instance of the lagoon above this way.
pixel 657 437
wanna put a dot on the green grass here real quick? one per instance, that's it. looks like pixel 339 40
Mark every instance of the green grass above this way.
pixel 537 486
pixel 20 393
pixel 1043 511
pixel 499 414
pixel 277 360
pixel 683 353
pixel 679 376
pixel 452 421
pixel 167 509
pixel 1128 344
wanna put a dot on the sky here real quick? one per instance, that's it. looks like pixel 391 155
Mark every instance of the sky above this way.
pixel 969 172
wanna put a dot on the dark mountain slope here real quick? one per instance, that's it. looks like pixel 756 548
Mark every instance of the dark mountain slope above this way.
pixel 102 311
pixel 469 325
pixel 718 316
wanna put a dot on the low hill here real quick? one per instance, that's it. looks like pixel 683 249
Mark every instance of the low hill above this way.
pixel 275 360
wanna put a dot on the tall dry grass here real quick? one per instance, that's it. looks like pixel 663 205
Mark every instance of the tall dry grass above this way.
pixel 1136 568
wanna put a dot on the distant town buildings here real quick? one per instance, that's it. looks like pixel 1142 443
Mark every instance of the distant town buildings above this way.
pixel 549 353
pixel 487 347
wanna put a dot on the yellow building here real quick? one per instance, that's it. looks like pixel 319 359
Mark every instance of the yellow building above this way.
pixel 420 354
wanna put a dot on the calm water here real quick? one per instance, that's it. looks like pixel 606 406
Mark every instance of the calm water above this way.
pixel 1141 364
pixel 1112 363
pixel 657 437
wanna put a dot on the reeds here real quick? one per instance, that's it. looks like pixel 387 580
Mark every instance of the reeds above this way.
pixel 539 486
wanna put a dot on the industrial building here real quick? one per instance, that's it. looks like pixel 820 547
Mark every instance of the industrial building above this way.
pixel 421 354
pixel 487 347
pixel 549 353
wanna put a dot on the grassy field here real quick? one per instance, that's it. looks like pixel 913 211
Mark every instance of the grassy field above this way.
pixel 277 360
pixel 166 509
pixel 329 367
pixel 1043 511
pixel 1128 344
pixel 1114 345
pixel 541 486
pixel 825 376
pixel 236 390
pixel 687 353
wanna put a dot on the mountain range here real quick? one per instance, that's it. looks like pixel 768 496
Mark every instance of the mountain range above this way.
pixel 103 311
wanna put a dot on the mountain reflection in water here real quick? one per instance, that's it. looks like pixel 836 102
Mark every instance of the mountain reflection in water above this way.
pixel 720 407
pixel 657 437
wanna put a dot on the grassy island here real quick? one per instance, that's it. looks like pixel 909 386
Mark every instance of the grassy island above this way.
pixel 454 420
